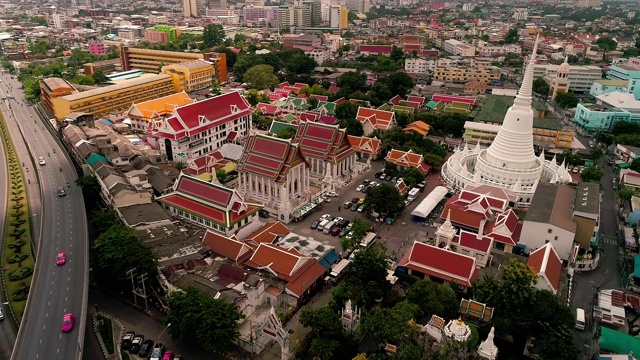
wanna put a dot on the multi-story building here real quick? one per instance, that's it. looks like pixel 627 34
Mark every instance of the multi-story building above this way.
pixel 291 41
pixel 457 47
pixel 416 65
pixel 464 74
pixel 194 75
pixel 609 109
pixel 105 66
pixel 266 14
pixel 106 99
pixel 193 8
pixel 97 48
pixel 486 49
pixel 152 61
pixel 143 113
pixel 626 71
pixel 589 3
pixel 285 16
pixel 601 87
pixel 319 55
pixel 156 36
pixel 359 6
pixel 202 127
pixel 338 17
pixel 580 77
pixel 485 133
pixel 521 14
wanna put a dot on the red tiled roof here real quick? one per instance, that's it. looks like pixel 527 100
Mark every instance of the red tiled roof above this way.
pixel 395 100
pixel 339 101
pixel 309 116
pixel 329 120
pixel 307 276
pixel 326 142
pixel 270 157
pixel 440 263
pixel 471 241
pixel 405 159
pixel 208 192
pixel 280 261
pixel 195 207
pixel 418 99
pixel 268 109
pixel 379 119
pixel 497 204
pixel 376 49
pixel 267 233
pixel 463 216
pixel 545 262
pixel 365 145
pixel 454 98
pixel 224 246
pixel 203 115
pixel 320 97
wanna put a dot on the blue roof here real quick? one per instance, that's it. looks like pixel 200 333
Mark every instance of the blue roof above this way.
pixel 95 158
pixel 633 218
pixel 329 258
pixel 107 122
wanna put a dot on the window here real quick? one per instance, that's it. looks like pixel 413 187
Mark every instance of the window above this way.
pixel 556 238
pixel 549 231
pixel 546 241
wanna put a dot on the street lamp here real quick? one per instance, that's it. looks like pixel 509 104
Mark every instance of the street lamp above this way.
pixel 165 329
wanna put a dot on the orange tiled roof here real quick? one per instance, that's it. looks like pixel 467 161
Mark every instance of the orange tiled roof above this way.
pixel 155 108
pixel 420 127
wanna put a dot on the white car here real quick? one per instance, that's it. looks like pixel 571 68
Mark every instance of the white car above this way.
pixel 325 217
pixel 41 161
pixel 332 194
pixel 360 187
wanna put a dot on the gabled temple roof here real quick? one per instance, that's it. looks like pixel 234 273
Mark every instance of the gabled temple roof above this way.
pixel 440 263
pixel 546 263
pixel 366 145
pixel 379 119
pixel 326 142
pixel 224 246
pixel 270 157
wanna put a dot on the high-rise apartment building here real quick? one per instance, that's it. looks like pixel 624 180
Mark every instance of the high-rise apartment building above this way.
pixel 190 8
pixel 338 17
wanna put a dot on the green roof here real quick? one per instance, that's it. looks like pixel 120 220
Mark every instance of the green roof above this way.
pixel 95 158
pixel 277 126
pixel 618 342
pixel 450 109
pixel 289 118
pixel 403 109
pixel 636 266
pixel 330 107
pixel 431 104
pixel 495 107
pixel 384 107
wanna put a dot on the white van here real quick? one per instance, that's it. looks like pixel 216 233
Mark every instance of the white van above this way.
pixel 328 227
pixel 580 323
pixel 322 224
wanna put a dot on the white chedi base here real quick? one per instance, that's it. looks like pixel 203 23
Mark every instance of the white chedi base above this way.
pixel 457 330
pixel 488 349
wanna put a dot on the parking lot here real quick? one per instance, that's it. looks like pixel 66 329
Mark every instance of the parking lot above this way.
pixel 395 236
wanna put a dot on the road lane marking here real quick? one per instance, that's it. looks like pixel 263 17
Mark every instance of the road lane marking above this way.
pixel 49 303
pixel 44 326
pixel 46 315
pixel 66 299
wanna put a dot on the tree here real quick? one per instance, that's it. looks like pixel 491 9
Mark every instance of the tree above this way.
pixel 287 133
pixel 312 102
pixel 625 127
pixel 261 77
pixel 231 56
pixel 396 53
pixel 326 330
pixel 102 220
pixel 384 199
pixel 541 86
pixel 412 176
pixel 351 82
pixel 512 36
pixel 213 35
pixel 432 298
pixel 606 43
pixel 366 277
pixel 566 100
pixel 389 325
pixel 595 154
pixel 239 40
pixel 99 77
pixel 222 175
pixel 359 227
pixel 635 165
pixel 353 126
pixel 569 158
pixel 591 174
pixel 254 97
pixel 211 323
pixel 433 160
pixel 89 185
pixel 346 110
pixel 119 250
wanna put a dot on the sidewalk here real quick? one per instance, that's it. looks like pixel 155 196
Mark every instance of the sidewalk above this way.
pixel 297 330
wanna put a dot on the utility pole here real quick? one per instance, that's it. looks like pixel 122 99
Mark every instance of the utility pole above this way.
pixel 144 291
pixel 133 285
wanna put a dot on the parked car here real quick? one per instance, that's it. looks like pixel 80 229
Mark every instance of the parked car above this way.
pixel 332 194
pixel 360 187
pixel 135 344
pixel 168 355
pixel 325 217
pixel 388 177
pixel 146 348
pixel 354 206
pixel 361 201
pixel 394 179
pixel 347 204
pixel 336 230
pixel 344 232
pixel 157 352
pixel 366 182
pixel 355 199
pixel 1 315
pixel 361 208
pixel 314 225
pixel 383 176
pixel 67 322
pixel 126 340
pixel 377 175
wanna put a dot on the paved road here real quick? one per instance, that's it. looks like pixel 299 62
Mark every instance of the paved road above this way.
pixel 607 275
pixel 55 290
pixel 7 330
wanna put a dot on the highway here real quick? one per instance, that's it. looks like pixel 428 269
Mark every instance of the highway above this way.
pixel 55 290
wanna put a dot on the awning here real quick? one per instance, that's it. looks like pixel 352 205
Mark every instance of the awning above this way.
pixel 636 266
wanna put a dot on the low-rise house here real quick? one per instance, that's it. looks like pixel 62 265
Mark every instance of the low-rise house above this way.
pixel 375 119
pixel 366 147
pixel 419 127
pixel 407 159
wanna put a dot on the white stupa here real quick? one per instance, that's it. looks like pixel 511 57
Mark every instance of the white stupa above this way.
pixel 488 349
pixel 509 162
pixel 457 330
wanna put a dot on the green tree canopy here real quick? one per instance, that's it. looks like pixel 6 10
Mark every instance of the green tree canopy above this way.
pixel 635 165
pixel 512 36
pixel 366 277
pixel 90 186
pixel 350 82
pixel 591 174
pixel 326 333
pixel 432 298
pixel 254 97
pixel 353 126
pixel 103 219
pixel 384 199
pixel 261 77
pixel 541 86
pixel 201 319
pixel 119 250
pixel 389 325
pixel 606 43
pixel 287 133
pixel 566 100
pixel 346 110
pixel 359 227
pixel 625 194
pixel 213 35
pixel 433 160
pixel 625 127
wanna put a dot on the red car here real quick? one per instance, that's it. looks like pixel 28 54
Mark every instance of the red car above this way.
pixel 168 355
pixel 61 259
pixel 67 322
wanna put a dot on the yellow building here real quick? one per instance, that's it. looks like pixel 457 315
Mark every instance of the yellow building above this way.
pixel 141 113
pixel 550 138
pixel 106 99
pixel 464 74
pixel 344 18
pixel 152 61
pixel 193 75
